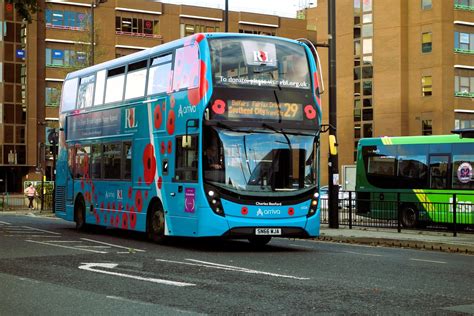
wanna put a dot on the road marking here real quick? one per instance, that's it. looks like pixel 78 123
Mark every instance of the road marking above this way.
pixel 4 223
pixel 61 246
pixel 363 254
pixel 31 236
pixel 93 268
pixel 206 264
pixel 431 261
pixel 94 247
pixel 118 298
pixel 65 241
pixel 307 247
pixel 117 246
pixel 41 230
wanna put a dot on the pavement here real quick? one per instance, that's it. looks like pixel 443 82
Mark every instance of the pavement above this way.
pixel 417 239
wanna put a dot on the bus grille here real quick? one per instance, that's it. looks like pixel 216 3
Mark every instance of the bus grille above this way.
pixel 60 202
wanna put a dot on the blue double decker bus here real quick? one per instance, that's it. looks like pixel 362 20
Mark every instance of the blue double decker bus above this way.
pixel 210 135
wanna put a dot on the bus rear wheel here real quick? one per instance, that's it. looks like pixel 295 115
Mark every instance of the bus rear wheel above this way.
pixel 259 241
pixel 156 224
pixel 80 214
pixel 409 216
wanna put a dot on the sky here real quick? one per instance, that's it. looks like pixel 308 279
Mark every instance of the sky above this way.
pixel 286 8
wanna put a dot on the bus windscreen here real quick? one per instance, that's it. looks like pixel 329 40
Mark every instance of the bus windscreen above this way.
pixel 259 63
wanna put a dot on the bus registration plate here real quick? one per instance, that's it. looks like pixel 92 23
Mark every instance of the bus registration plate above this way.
pixel 268 231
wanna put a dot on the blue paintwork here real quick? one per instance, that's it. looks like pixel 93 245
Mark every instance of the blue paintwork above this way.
pixel 115 202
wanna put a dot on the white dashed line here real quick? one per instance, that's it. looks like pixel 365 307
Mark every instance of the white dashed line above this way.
pixel 430 261
pixel 112 245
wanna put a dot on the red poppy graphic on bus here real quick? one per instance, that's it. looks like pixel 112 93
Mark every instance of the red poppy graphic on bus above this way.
pixel 133 219
pixel 310 112
pixel 124 221
pixel 162 148
pixel 200 82
pixel 139 200
pixel 149 164
pixel 170 122
pixel 158 118
pixel 218 107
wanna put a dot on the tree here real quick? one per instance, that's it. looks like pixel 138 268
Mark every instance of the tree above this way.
pixel 25 8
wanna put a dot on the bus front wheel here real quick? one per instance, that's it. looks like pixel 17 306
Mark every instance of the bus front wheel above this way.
pixel 259 241
pixel 156 224
pixel 80 214
pixel 409 216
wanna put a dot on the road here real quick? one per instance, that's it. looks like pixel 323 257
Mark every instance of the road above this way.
pixel 46 267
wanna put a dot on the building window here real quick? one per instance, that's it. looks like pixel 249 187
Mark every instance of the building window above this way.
pixel 426 42
pixel 464 4
pixel 52 96
pixel 464 85
pixel 426 4
pixel 427 85
pixel 464 43
pixel 463 119
pixel 426 127
pixel 190 29
pixel 65 58
pixel 137 26
pixel 257 32
pixel 67 20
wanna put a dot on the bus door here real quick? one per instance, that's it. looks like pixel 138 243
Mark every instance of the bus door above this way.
pixel 439 171
pixel 183 193
pixel 70 174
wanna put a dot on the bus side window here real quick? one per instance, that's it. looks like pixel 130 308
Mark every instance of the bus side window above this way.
pixel 71 160
pixel 81 168
pixel 127 158
pixel 186 161
pixel 439 166
pixel 186 68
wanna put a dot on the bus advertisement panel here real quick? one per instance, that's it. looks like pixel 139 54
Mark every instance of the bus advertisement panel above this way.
pixel 211 135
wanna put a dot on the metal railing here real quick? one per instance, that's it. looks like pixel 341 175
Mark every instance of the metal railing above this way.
pixel 19 202
pixel 416 210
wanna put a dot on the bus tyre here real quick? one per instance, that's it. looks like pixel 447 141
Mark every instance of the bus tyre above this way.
pixel 259 241
pixel 409 216
pixel 80 214
pixel 156 224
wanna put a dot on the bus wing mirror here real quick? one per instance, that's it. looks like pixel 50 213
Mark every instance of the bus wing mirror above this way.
pixel 332 145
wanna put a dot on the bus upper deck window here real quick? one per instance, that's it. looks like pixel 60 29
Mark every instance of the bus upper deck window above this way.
pixel 186 68
pixel 115 82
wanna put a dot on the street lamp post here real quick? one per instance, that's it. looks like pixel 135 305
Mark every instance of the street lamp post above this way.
pixel 333 173
pixel 226 16
pixel 94 4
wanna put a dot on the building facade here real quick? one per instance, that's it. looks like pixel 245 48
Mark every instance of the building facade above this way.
pixel 403 67
pixel 36 57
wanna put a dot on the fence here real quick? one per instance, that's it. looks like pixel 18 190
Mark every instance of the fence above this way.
pixel 415 210
pixel 18 202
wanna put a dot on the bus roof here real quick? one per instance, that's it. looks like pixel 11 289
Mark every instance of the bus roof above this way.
pixel 153 51
pixel 415 140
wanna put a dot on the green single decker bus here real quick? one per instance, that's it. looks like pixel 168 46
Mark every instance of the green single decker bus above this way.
pixel 422 179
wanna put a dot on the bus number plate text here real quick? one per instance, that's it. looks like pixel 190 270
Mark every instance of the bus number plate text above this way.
pixel 268 231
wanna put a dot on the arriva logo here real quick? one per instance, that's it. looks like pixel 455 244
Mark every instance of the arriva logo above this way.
pixel 261 212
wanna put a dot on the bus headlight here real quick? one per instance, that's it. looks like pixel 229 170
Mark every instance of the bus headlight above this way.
pixel 214 201
pixel 313 207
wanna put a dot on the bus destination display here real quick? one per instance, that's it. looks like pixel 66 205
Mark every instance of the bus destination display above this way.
pixel 265 110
